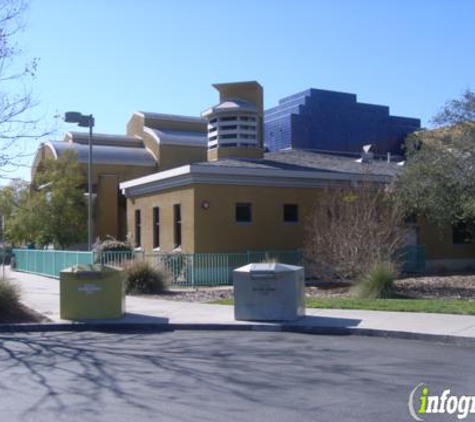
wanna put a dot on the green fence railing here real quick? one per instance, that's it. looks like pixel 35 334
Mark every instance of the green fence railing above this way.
pixel 414 259
pixel 213 269
pixel 199 269
pixel 47 262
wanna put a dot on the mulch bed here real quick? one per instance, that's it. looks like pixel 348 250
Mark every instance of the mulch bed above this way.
pixel 453 287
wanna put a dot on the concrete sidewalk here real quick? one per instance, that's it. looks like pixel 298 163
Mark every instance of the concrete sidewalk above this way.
pixel 42 294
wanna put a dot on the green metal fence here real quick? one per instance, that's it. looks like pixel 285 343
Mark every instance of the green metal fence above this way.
pixel 414 259
pixel 199 269
pixel 48 263
pixel 118 259
pixel 214 269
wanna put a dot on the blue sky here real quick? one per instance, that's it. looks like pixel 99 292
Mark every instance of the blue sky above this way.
pixel 114 57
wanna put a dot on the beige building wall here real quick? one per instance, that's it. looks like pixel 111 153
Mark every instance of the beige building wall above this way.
pixel 209 221
pixel 441 246
pixel 237 152
pixel 109 219
pixel 216 229
pixel 106 215
pixel 165 200
pixel 171 156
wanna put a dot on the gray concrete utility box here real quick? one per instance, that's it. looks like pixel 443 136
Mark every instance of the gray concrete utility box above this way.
pixel 269 292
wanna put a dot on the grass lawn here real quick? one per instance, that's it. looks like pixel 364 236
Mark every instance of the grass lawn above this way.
pixel 396 305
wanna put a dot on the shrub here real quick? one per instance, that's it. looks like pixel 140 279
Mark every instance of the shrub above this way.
pixel 113 245
pixel 378 282
pixel 269 260
pixel 142 277
pixel 112 251
pixel 350 229
pixel 9 298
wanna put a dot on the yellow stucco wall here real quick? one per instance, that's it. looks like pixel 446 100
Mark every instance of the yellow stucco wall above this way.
pixel 171 156
pixel 249 91
pixel 106 215
pixel 441 246
pixel 237 152
pixel 165 200
pixel 216 229
pixel 108 218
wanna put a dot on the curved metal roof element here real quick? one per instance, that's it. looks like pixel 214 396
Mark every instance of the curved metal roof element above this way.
pixel 102 154
pixel 105 139
pixel 178 137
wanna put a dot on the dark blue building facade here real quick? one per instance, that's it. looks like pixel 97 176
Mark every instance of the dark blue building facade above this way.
pixel 334 121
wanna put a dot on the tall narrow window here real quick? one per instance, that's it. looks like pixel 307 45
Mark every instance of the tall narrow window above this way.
pixel 177 224
pixel 156 227
pixel 138 230
pixel 291 213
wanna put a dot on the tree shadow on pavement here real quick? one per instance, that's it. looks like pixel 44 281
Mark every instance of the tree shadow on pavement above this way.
pixel 200 375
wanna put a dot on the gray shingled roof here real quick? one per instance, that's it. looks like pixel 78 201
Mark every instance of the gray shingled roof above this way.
pixel 307 160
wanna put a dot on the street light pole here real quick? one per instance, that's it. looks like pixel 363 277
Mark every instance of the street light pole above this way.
pixel 89 187
pixel 85 121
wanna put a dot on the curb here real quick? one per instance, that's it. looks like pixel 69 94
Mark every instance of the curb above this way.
pixel 114 327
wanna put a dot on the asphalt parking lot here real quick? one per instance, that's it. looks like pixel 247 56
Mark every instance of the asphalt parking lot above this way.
pixel 216 376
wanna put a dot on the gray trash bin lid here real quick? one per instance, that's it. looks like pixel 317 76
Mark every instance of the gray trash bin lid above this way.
pixel 267 270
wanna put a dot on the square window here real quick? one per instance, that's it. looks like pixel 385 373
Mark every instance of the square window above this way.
pixel 291 213
pixel 462 234
pixel 243 213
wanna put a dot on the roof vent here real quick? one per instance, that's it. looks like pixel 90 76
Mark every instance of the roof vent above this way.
pixel 366 155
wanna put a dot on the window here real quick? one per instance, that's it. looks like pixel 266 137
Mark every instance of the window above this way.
pixel 243 213
pixel 228 127
pixel 462 234
pixel 177 224
pixel 228 136
pixel 227 119
pixel 291 213
pixel 156 227
pixel 138 230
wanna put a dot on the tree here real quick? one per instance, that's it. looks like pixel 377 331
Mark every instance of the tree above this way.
pixel 60 216
pixel 16 100
pixel 15 203
pixel 351 229
pixel 438 180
